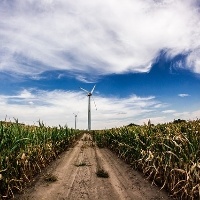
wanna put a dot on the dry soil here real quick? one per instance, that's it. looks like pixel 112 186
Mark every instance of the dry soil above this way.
pixel 73 176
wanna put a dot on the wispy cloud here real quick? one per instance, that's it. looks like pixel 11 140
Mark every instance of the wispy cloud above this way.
pixel 169 111
pixel 154 120
pixel 57 107
pixel 94 36
pixel 188 115
pixel 183 95
pixel 86 79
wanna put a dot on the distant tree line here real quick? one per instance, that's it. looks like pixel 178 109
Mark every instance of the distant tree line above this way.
pixel 176 121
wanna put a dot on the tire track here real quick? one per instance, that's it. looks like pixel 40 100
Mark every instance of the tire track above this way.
pixel 77 179
pixel 129 183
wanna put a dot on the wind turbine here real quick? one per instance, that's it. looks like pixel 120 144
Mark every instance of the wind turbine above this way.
pixel 89 94
pixel 75 119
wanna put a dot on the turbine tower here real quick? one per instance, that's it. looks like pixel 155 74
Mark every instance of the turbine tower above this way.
pixel 75 119
pixel 89 94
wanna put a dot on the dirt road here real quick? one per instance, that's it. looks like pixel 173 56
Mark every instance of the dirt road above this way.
pixel 74 175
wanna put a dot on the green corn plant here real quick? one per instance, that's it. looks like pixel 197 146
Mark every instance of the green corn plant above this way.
pixel 25 150
pixel 168 154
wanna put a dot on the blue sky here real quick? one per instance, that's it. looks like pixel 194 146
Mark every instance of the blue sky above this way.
pixel 143 56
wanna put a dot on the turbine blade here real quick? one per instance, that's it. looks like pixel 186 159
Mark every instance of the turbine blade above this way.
pixel 92 89
pixel 84 90
pixel 94 102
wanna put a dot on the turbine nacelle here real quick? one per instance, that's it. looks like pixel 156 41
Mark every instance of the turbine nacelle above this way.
pixel 88 93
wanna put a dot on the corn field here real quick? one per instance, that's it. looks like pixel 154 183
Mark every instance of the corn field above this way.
pixel 25 150
pixel 168 154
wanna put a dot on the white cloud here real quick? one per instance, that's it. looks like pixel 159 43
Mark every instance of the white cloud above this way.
pixel 159 118
pixel 189 115
pixel 96 36
pixel 57 107
pixel 183 95
pixel 193 60
pixel 161 105
pixel 168 111
pixel 85 79
pixel 154 120
pixel 26 94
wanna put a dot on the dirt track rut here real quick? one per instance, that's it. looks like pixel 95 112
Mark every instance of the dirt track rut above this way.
pixel 76 178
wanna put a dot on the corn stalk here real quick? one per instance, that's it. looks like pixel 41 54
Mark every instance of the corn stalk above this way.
pixel 25 150
pixel 168 154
